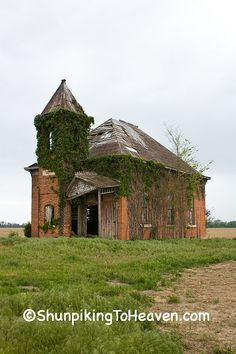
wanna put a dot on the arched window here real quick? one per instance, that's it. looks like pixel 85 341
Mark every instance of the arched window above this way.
pixel 50 141
pixel 49 214
pixel 170 210
pixel 191 218
pixel 145 210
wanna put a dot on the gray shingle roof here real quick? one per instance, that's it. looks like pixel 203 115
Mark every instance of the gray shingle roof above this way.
pixel 96 180
pixel 116 137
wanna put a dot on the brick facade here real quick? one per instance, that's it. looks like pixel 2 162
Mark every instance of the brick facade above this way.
pixel 44 192
pixel 114 210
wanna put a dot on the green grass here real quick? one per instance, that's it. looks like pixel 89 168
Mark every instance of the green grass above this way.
pixel 69 274
pixel 173 299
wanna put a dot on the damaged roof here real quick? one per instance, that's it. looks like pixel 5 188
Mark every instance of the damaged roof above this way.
pixel 86 182
pixel 96 180
pixel 63 98
pixel 116 137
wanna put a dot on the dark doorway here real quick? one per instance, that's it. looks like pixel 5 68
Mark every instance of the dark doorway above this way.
pixel 74 221
pixel 92 220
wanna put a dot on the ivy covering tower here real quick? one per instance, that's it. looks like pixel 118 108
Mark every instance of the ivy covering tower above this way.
pixel 62 137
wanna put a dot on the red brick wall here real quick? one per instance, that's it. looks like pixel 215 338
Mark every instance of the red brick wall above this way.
pixel 44 189
pixel 35 205
pixel 200 219
pixel 122 217
pixel 67 220
pixel 198 230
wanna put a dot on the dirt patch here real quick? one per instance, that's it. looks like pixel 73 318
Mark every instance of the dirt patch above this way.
pixel 211 289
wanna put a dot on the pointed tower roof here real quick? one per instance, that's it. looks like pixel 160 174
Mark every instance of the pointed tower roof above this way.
pixel 63 98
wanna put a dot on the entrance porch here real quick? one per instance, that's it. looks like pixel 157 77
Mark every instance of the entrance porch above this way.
pixel 94 205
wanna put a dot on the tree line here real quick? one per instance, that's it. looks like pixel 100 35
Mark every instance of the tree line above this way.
pixel 217 223
pixel 10 224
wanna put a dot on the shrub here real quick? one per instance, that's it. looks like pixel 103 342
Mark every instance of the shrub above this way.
pixel 227 350
pixel 13 234
pixel 173 299
pixel 27 230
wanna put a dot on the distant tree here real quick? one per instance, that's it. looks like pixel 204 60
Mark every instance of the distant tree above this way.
pixel 232 223
pixel 209 218
pixel 217 223
pixel 27 229
pixel 10 224
pixel 183 148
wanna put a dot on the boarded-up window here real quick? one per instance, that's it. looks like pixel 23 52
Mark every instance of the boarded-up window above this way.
pixel 49 214
pixel 191 218
pixel 145 211
pixel 170 210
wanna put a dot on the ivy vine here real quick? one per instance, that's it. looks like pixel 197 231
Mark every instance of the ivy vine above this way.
pixel 62 143
pixel 125 169
pixel 148 183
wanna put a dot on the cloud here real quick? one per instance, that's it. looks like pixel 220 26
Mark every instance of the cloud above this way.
pixel 146 62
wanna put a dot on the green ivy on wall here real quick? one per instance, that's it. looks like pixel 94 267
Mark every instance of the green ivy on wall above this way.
pixel 147 184
pixel 125 168
pixel 62 143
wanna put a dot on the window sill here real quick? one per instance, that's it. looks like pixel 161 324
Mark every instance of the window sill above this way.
pixel 191 226
pixel 145 226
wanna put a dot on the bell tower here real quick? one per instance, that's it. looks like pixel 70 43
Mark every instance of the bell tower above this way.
pixel 62 145
pixel 62 134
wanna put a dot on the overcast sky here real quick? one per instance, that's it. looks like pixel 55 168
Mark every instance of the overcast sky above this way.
pixel 148 62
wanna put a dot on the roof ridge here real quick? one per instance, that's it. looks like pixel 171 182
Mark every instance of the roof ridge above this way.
pixel 115 133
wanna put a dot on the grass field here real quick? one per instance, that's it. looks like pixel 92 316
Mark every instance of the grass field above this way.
pixel 72 274
pixel 5 231
pixel 221 233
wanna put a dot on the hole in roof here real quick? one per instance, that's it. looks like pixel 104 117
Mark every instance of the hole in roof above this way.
pixel 96 133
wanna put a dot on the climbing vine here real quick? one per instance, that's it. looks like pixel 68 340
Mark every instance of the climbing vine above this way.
pixel 62 138
pixel 62 143
pixel 125 168
pixel 147 185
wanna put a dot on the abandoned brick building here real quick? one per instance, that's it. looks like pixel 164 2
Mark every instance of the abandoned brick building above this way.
pixel 97 203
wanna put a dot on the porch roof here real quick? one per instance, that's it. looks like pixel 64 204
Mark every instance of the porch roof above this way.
pixel 97 180
pixel 86 182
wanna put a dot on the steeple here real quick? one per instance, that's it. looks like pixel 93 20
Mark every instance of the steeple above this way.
pixel 63 98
